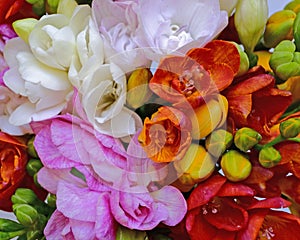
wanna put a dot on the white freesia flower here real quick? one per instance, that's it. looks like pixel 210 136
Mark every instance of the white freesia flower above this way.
pixel 9 101
pixel 47 89
pixel 176 26
pixel 117 21
pixel 103 99
pixel 62 50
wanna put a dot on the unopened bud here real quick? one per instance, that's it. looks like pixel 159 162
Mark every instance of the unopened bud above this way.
pixel 250 19
pixel 290 128
pixel 138 91
pixel 235 166
pixel 51 200
pixel 26 214
pixel 7 225
pixel 215 112
pixel 33 166
pixel 269 157
pixel 246 138
pixel 24 195
pixel 279 27
pixel 293 5
pixel 30 148
pixel 196 165
pixel 128 234
pixel 218 141
pixel 23 27
pixel 244 60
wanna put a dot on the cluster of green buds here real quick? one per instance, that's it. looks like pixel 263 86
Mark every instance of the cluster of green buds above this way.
pixel 34 164
pixel 285 60
pixel 32 215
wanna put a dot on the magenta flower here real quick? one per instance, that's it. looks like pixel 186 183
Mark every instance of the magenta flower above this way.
pixel 92 176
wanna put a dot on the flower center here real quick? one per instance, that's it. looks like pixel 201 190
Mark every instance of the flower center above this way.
pixel 211 207
pixel 266 234
pixel 189 81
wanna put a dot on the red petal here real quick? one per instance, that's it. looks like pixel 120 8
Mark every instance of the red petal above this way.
pixel 222 76
pixel 234 190
pixel 197 227
pixel 224 213
pixel 281 226
pixel 256 218
pixel 276 202
pixel 205 191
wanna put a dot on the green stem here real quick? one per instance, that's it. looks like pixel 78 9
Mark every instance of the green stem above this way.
pixel 276 140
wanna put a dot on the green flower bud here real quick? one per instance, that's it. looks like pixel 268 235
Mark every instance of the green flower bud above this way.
pixel 23 27
pixel 250 19
pixel 218 141
pixel 26 214
pixel 235 166
pixel 290 128
pixel 7 225
pixel 296 57
pixel 269 157
pixel 279 58
pixel 279 27
pixel 285 46
pixel 244 60
pixel 51 200
pixel 11 235
pixel 296 31
pixel 30 148
pixel 293 5
pixel 138 92
pixel 33 166
pixel 246 138
pixel 52 6
pixel 39 8
pixel 128 234
pixel 24 195
pixel 287 70
pixel 34 234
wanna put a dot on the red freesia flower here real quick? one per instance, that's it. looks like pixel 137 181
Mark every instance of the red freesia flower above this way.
pixel 255 102
pixel 202 72
pixel 13 160
pixel 219 209
pixel 11 10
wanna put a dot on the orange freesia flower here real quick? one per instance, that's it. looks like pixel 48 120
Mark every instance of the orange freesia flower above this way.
pixel 13 160
pixel 202 72
pixel 167 136
pixel 255 102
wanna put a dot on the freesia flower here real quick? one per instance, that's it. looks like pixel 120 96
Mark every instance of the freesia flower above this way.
pixel 6 33
pixel 201 73
pixel 176 26
pixel 254 101
pixel 13 160
pixel 95 167
pixel 118 23
pixel 9 101
pixel 103 100
pixel 229 210
pixel 167 135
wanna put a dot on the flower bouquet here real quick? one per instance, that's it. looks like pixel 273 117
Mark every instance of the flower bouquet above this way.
pixel 137 119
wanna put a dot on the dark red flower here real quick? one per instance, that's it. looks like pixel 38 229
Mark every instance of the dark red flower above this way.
pixel 255 102
pixel 219 209
pixel 11 10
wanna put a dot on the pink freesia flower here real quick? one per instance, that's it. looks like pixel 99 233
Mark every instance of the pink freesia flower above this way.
pixel 89 170
pixel 177 26
pixel 118 22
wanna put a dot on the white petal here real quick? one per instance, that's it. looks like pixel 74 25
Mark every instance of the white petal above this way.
pixel 14 81
pixel 33 71
pixel 22 114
